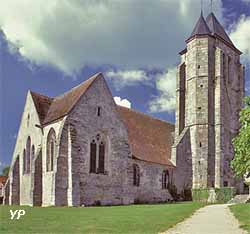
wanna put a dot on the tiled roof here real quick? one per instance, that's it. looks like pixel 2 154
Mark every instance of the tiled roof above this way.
pixel 3 179
pixel 63 104
pixel 216 28
pixel 150 139
pixel 42 104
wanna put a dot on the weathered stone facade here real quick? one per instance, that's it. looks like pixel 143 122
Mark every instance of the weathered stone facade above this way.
pixel 210 89
pixel 80 148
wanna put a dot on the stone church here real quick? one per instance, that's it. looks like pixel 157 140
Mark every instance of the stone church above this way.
pixel 81 148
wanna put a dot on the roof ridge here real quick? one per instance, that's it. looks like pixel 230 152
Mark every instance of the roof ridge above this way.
pixel 70 98
pixel 36 93
pixel 146 115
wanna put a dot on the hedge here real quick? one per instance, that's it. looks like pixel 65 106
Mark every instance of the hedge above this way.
pixel 223 195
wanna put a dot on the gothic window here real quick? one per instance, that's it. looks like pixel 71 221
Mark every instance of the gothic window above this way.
pixel 51 146
pixel 101 157
pixel 97 154
pixel 93 157
pixel 136 175
pixel 165 179
pixel 28 148
pixel 24 161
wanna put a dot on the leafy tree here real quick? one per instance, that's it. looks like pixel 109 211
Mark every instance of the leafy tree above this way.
pixel 5 171
pixel 241 162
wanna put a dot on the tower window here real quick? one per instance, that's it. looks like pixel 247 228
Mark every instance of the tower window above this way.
pixel 200 144
pixel 98 111
pixel 199 108
pixel 199 66
pixel 201 85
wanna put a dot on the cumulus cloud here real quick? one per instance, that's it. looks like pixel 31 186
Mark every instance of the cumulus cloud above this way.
pixel 70 34
pixel 123 78
pixel 240 35
pixel 166 86
pixel 122 102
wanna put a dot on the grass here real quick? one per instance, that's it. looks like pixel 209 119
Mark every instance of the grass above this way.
pixel 114 219
pixel 242 213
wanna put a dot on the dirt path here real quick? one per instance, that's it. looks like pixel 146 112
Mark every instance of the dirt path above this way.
pixel 213 219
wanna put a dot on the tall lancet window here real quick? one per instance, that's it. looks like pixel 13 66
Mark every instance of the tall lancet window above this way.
pixel 24 161
pixel 93 156
pixel 136 175
pixel 28 149
pixel 165 179
pixel 97 154
pixel 51 147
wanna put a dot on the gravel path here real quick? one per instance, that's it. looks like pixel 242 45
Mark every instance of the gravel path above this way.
pixel 213 219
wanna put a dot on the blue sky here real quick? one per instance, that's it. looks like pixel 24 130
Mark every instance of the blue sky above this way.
pixel 50 47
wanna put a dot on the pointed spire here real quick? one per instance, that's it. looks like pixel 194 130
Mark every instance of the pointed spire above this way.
pixel 216 28
pixel 201 27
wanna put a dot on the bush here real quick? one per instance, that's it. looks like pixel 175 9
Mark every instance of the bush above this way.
pixel 223 195
pixel 200 195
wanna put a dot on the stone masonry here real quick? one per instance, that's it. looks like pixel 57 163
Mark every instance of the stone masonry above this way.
pixel 80 148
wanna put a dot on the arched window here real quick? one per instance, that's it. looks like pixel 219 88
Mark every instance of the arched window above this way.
pixel 165 179
pixel 97 154
pixel 93 157
pixel 24 161
pixel 28 148
pixel 136 175
pixel 51 146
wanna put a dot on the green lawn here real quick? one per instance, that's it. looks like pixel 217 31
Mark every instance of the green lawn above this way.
pixel 242 213
pixel 114 219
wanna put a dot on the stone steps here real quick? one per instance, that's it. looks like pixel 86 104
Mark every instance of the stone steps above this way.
pixel 240 199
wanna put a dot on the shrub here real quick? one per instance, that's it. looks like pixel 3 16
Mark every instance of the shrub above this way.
pixel 223 195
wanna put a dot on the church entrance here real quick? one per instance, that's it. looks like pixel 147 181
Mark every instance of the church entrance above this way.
pixel 38 181
pixel 15 186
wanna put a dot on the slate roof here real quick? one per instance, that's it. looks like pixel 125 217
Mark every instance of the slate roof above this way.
pixel 216 28
pixel 150 139
pixel 210 26
pixel 200 28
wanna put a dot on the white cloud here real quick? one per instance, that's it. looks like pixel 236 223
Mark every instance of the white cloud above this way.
pixel 70 34
pixel 246 1
pixel 240 35
pixel 124 78
pixel 166 86
pixel 122 102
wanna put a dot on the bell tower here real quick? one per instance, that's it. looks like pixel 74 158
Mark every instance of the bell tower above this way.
pixel 210 89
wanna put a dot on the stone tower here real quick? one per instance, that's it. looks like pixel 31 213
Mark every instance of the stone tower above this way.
pixel 210 89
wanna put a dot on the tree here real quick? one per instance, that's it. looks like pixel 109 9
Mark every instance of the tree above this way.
pixel 241 162
pixel 5 171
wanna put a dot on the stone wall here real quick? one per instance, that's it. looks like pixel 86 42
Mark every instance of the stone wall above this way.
pixel 28 128
pixel 150 189
pixel 85 124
